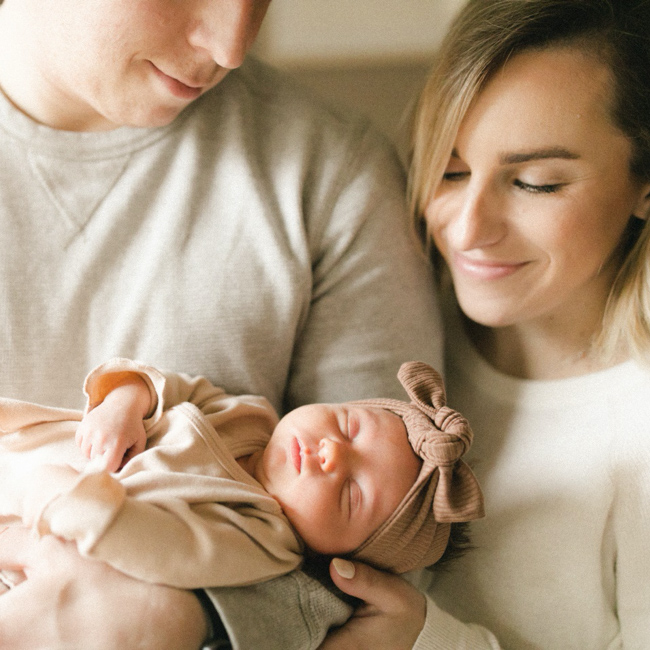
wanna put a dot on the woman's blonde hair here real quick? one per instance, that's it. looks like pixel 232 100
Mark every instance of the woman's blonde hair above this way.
pixel 485 34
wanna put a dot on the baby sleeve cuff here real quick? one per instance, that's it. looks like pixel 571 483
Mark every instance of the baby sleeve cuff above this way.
pixel 107 376
pixel 83 513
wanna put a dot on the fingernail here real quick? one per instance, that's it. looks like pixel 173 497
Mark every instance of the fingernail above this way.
pixel 344 568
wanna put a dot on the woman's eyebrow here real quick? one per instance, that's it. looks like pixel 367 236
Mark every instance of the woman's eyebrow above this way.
pixel 537 154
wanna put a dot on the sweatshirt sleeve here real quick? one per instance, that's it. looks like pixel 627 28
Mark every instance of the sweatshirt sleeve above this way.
pixel 442 631
pixel 373 301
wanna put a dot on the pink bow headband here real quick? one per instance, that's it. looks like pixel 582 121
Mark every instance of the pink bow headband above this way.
pixel 445 491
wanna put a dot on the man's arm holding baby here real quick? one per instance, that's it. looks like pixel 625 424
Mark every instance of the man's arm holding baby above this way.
pixel 80 603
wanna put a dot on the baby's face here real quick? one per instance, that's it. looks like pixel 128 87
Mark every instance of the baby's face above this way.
pixel 338 471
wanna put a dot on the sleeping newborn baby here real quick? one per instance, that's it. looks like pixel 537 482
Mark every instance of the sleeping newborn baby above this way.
pixel 171 480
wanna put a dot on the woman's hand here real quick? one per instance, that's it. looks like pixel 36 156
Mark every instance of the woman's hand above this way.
pixel 67 601
pixel 113 432
pixel 391 616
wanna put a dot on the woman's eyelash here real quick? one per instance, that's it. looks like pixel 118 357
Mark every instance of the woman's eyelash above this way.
pixel 454 176
pixel 537 189
pixel 527 187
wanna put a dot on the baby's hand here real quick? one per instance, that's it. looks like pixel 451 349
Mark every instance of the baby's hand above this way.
pixel 113 432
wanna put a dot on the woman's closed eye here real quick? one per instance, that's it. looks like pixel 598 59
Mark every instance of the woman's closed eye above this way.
pixel 531 188
pixel 455 176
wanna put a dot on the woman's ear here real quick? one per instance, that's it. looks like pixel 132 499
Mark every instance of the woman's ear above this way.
pixel 642 208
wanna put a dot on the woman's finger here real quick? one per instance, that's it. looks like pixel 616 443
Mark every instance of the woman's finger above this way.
pixel 391 617
pixel 386 592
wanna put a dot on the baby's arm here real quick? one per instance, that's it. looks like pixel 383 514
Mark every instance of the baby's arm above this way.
pixel 165 390
pixel 113 431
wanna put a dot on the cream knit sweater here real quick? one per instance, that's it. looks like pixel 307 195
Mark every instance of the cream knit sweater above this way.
pixel 561 560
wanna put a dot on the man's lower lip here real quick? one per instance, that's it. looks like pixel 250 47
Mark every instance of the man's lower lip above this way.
pixel 177 88
pixel 482 271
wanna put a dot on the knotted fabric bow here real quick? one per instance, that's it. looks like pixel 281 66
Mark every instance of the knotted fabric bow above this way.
pixel 445 491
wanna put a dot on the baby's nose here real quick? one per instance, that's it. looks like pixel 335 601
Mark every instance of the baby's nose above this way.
pixel 329 454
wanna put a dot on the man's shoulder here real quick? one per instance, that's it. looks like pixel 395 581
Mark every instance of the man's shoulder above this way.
pixel 277 90
pixel 273 105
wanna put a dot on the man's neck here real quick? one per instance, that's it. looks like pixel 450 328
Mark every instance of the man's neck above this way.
pixel 22 81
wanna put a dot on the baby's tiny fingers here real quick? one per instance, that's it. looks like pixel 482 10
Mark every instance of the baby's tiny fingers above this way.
pixel 86 445
pixel 111 459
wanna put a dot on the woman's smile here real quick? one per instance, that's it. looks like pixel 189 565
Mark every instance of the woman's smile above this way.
pixel 484 270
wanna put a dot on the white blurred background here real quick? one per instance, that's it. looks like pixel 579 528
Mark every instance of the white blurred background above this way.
pixel 370 55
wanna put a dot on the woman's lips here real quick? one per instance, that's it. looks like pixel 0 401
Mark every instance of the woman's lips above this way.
pixel 485 270
pixel 176 87
pixel 296 456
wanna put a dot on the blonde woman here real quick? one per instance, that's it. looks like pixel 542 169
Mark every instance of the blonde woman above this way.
pixel 531 177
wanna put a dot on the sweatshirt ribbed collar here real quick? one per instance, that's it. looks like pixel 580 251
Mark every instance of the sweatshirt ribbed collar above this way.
pixel 77 145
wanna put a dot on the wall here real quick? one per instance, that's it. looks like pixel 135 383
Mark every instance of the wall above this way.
pixel 343 32
pixel 363 54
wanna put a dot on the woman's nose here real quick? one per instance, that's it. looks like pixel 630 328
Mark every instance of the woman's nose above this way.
pixel 330 454
pixel 477 219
